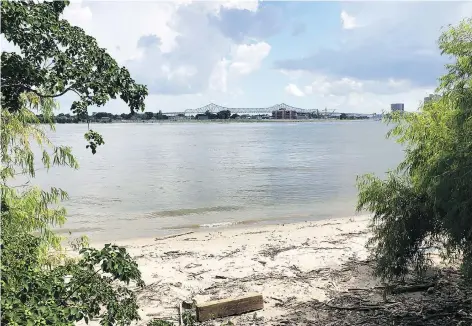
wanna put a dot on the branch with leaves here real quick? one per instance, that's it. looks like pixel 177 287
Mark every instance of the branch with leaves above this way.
pixel 93 287
pixel 57 58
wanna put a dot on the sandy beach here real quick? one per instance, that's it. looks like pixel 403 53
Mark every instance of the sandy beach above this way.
pixel 289 264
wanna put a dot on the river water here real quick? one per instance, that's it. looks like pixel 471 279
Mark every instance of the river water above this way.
pixel 153 179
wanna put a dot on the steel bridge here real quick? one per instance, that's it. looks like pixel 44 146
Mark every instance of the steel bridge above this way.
pixel 215 108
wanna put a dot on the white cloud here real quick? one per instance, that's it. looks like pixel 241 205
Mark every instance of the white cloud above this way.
pixel 175 48
pixel 172 47
pixel 219 76
pixel 293 89
pixel 119 25
pixel 248 57
pixel 353 95
pixel 390 41
pixel 293 74
pixel 348 22
pixel 183 53
pixel 245 59
pixel 77 14
pixel 325 86
pixel 252 5
pixel 329 86
pixel 183 71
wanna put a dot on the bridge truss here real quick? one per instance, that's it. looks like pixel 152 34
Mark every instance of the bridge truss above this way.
pixel 214 108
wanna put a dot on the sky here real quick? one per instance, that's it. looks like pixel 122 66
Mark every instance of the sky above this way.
pixel 345 56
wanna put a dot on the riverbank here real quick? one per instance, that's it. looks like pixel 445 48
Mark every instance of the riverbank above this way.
pixel 225 121
pixel 289 264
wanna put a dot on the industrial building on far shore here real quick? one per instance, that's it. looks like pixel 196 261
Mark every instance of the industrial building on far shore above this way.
pixel 397 107
pixel 284 114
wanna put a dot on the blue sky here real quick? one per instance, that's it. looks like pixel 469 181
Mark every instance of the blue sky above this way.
pixel 348 56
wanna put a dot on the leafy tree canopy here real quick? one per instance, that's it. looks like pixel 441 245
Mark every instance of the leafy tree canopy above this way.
pixel 427 200
pixel 39 284
pixel 26 207
pixel 56 58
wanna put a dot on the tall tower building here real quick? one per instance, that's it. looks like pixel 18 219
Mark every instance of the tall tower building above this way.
pixel 397 107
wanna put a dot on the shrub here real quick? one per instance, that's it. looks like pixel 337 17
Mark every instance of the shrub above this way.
pixel 427 200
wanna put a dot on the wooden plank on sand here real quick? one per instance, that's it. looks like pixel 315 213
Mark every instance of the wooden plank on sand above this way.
pixel 229 307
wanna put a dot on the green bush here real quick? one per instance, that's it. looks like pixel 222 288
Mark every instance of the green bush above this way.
pixel 426 201
pixel 94 286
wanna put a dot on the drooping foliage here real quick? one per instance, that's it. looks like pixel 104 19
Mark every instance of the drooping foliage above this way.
pixel 25 207
pixel 39 284
pixel 57 58
pixel 427 200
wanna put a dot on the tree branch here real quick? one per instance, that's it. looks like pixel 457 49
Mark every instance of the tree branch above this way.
pixel 70 88
pixel 80 285
pixel 21 186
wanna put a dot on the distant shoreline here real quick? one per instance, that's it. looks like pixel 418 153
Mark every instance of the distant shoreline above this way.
pixel 220 121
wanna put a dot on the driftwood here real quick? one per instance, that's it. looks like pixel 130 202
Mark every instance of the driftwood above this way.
pixel 359 308
pixel 231 253
pixel 173 236
pixel 399 289
pixel 412 288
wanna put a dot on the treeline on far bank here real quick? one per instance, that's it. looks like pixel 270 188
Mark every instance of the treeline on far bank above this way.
pixel 104 117
pixel 222 115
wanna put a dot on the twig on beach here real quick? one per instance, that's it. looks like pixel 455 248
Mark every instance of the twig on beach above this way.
pixel 295 268
pixel 276 299
pixel 256 232
pixel 400 289
pixel 272 251
pixel 181 322
pixel 173 236
pixel 359 308
pixel 412 288
pixel 211 288
pixel 360 289
pixel 325 224
pixel 442 314
pixel 351 234
pixel 175 254
pixel 172 252
pixel 194 275
pixel 230 254
pixel 367 289
pixel 329 248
